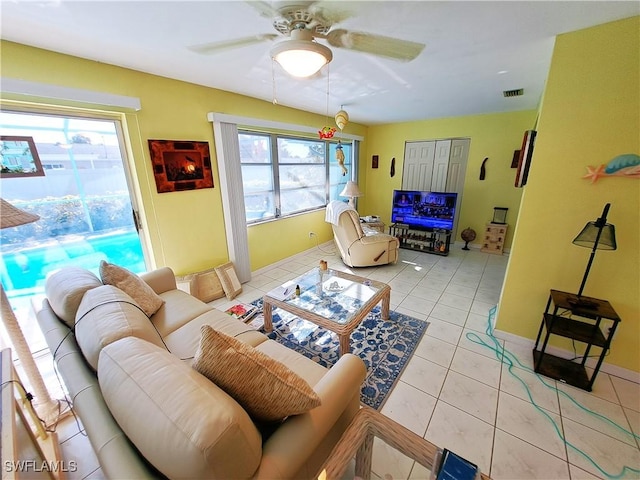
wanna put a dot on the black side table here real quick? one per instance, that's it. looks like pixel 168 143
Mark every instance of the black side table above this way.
pixel 582 319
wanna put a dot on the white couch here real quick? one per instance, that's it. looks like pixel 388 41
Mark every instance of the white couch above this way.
pixel 148 414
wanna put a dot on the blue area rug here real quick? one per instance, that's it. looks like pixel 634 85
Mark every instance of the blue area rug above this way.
pixel 385 346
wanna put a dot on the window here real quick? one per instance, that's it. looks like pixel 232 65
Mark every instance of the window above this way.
pixel 284 175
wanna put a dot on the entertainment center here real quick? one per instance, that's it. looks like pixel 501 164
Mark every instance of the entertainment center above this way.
pixel 423 221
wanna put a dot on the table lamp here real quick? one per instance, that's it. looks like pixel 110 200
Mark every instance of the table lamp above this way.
pixel 598 235
pixel 352 191
pixel 47 408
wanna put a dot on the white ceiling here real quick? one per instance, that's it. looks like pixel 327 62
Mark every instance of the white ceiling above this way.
pixel 474 50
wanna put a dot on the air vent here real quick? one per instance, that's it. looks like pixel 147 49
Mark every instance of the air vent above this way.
pixel 513 93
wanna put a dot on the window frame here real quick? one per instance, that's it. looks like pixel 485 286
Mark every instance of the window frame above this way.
pixel 275 165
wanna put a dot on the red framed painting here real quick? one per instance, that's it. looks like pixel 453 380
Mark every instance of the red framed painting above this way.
pixel 180 165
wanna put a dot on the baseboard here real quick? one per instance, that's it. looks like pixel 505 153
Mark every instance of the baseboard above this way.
pixel 474 246
pixel 329 244
pixel 559 352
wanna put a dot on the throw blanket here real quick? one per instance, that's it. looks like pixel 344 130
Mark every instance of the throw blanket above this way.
pixel 334 209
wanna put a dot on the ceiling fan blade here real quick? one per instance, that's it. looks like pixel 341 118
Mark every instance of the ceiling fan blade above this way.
pixel 330 12
pixel 394 48
pixel 263 8
pixel 217 47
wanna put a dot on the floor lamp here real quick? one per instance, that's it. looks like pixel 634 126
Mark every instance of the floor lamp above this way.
pixel 598 235
pixel 47 408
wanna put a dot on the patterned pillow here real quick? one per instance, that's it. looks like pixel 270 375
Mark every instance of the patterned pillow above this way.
pixel 203 285
pixel 229 280
pixel 132 285
pixel 266 388
pixel 208 286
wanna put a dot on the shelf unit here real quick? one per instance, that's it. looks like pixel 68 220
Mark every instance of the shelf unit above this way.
pixel 578 318
pixel 494 235
pixel 430 240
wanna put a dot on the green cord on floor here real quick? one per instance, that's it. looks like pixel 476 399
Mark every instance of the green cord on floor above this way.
pixel 504 356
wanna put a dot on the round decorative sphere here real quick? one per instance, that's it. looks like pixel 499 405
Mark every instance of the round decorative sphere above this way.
pixel 468 235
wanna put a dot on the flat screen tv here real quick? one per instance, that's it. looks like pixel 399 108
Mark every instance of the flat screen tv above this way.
pixel 424 209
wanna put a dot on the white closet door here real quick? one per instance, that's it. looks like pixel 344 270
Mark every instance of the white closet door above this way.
pixel 417 170
pixel 440 167
pixel 455 177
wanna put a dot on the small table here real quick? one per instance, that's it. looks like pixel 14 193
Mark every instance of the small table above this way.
pixel 375 225
pixel 577 318
pixel 357 441
pixel 335 300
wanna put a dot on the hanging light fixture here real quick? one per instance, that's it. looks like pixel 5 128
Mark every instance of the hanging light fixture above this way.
pixel 301 56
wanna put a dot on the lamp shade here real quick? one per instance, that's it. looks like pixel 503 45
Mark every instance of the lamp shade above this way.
pixel 598 235
pixel 351 190
pixel 11 216
pixel 589 236
pixel 300 56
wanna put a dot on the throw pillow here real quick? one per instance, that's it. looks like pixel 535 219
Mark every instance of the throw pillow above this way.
pixel 229 280
pixel 132 285
pixel 266 388
pixel 186 283
pixel 209 287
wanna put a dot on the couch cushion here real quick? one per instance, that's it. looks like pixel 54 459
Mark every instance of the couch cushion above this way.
pixel 65 289
pixel 132 285
pixel 302 366
pixel 107 314
pixel 266 388
pixel 179 309
pixel 184 342
pixel 182 423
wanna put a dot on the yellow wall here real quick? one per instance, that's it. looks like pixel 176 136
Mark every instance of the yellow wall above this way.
pixel 591 114
pixel 185 229
pixel 494 135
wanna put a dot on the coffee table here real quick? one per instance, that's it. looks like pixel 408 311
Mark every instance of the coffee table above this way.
pixel 357 442
pixel 334 300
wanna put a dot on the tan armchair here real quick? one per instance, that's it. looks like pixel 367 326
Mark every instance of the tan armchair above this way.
pixel 357 247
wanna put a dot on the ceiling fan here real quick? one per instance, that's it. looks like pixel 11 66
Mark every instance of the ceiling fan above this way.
pixel 301 23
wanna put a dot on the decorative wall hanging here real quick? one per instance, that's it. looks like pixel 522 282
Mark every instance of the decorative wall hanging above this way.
pixel 180 165
pixel 626 165
pixel 374 161
pixel 526 154
pixel 19 157
pixel 515 159
pixel 483 170
pixel 392 172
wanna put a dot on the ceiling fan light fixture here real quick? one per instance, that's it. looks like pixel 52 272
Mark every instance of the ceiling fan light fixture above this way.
pixel 301 58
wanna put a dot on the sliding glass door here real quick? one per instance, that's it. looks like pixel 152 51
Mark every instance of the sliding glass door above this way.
pixel 80 190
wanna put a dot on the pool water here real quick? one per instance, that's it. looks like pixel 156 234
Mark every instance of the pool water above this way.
pixel 26 269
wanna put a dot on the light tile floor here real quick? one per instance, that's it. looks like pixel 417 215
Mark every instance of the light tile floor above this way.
pixel 456 393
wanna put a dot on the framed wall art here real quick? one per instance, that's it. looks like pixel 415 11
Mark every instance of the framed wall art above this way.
pixel 19 157
pixel 180 165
